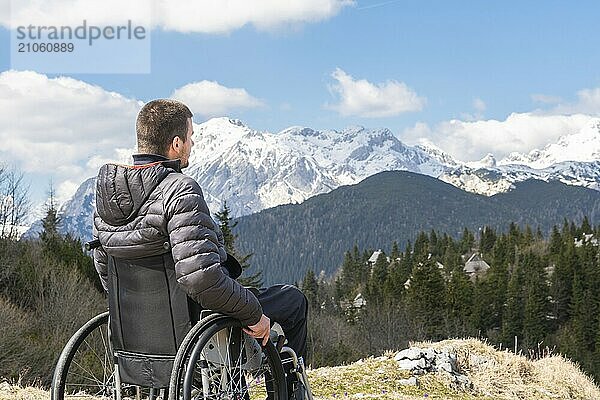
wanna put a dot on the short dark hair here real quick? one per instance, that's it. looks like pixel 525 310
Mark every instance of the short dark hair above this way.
pixel 158 122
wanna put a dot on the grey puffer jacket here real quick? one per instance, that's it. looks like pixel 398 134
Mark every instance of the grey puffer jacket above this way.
pixel 145 210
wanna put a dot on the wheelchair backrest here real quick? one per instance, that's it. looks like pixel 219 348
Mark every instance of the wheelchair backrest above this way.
pixel 149 317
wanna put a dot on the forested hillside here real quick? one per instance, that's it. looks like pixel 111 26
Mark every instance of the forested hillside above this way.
pixel 48 289
pixel 539 295
pixel 288 240
pixel 540 291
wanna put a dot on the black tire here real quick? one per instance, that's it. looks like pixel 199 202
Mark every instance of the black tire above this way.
pixel 85 366
pixel 256 373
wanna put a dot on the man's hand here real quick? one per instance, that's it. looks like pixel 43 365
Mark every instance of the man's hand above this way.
pixel 260 330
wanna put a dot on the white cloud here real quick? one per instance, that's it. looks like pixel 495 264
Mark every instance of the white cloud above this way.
pixel 59 126
pixel 473 137
pixel 210 99
pixel 205 16
pixel 365 99
pixel 65 190
pixel 479 104
pixel 66 128
pixel 521 132
pixel 545 99
pixel 588 102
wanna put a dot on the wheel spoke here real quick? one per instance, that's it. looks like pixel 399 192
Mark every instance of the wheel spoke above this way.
pixel 95 353
pixel 250 374
pixel 84 377
pixel 85 370
pixel 91 374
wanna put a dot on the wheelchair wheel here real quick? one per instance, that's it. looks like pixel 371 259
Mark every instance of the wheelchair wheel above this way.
pixel 85 367
pixel 218 361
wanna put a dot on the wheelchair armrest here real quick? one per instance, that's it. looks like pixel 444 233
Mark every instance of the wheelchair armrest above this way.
pixel 277 336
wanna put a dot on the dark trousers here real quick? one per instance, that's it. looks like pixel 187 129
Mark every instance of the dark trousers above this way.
pixel 287 305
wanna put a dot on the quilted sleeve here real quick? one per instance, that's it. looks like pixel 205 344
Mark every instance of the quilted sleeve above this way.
pixel 100 258
pixel 195 247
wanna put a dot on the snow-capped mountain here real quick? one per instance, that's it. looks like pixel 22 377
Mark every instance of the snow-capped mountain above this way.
pixel 254 170
pixel 574 159
pixel 491 180
pixel 583 146
pixel 75 214
pixel 489 161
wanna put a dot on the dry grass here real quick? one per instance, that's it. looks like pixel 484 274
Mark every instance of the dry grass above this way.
pixel 505 375
pixel 495 375
pixel 377 378
pixel 15 392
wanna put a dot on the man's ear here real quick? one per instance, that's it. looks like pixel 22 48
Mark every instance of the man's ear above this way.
pixel 173 151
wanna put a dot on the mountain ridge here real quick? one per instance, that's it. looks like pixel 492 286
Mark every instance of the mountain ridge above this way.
pixel 254 170
pixel 395 205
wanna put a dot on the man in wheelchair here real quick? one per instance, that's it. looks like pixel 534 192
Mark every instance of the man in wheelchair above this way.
pixel 152 220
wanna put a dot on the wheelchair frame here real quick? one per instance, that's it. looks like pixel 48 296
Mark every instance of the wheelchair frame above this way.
pixel 182 376
pixel 203 357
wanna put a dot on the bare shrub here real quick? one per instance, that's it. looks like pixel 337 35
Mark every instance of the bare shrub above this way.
pixel 14 202
pixel 43 303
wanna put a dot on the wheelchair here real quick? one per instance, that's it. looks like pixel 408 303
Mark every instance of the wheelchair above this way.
pixel 155 343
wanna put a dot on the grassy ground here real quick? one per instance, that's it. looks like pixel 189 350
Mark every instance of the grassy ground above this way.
pixel 377 378
pixel 15 392
pixel 494 374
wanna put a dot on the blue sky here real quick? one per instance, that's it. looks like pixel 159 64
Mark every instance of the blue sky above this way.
pixel 466 60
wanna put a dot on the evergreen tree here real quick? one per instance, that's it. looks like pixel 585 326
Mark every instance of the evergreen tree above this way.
pixel 566 262
pixel 451 258
pixel 583 321
pixel 556 242
pixel 466 241
pixel 50 236
pixel 487 240
pixel 585 226
pixel 483 319
pixel 528 237
pixel 225 223
pixel 394 284
pixel 512 322
pixel 310 288
pixel 377 280
pixel 353 275
pixel 426 298
pixel 538 234
pixel 565 227
pixel 421 247
pixel 345 280
pixel 65 250
pixel 459 301
pixel 501 253
pixel 409 256
pixel 361 267
pixel 434 248
pixel 573 229
pixel 496 280
pixel 398 272
pixel 395 251
pixel 536 303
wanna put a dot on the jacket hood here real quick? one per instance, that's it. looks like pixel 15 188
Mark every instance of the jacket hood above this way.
pixel 121 190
